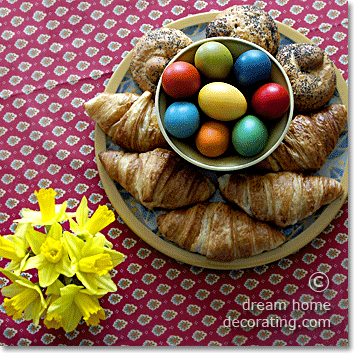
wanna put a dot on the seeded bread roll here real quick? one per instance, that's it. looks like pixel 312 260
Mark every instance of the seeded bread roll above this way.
pixel 153 52
pixel 311 73
pixel 247 22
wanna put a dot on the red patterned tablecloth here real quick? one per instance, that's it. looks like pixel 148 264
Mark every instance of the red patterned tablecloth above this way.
pixel 54 56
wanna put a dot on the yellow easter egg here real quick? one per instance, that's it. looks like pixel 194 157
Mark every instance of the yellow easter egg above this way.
pixel 222 101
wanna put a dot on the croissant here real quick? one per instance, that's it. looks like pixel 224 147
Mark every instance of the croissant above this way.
pixel 158 178
pixel 282 198
pixel 218 231
pixel 129 119
pixel 309 141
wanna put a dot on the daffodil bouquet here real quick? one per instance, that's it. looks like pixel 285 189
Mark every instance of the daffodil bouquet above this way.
pixel 73 267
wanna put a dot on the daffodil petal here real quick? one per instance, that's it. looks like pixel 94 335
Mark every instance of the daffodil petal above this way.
pixel 35 240
pixel 82 213
pixel 11 290
pixel 93 246
pixel 70 214
pixel 90 308
pixel 38 261
pixel 29 214
pixel 73 244
pixel 101 218
pixel 74 226
pixel 107 242
pixel 61 304
pixel 55 231
pixel 54 288
pixel 105 282
pixel 18 267
pixel 64 306
pixel 21 246
pixel 70 290
pixel 116 257
pixel 8 250
pixel 34 311
pixel 22 229
pixel 88 280
pixel 71 319
pixel 47 275
pixel 64 267
pixel 60 215
pixel 13 277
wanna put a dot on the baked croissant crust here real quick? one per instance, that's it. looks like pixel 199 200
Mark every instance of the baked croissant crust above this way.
pixel 283 198
pixel 129 119
pixel 218 231
pixel 309 141
pixel 158 178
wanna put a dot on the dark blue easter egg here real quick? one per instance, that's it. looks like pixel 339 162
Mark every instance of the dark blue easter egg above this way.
pixel 252 66
pixel 182 119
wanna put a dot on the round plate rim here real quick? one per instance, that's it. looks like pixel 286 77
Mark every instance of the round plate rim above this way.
pixel 178 253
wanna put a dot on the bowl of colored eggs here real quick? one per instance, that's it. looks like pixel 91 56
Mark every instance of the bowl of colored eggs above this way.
pixel 224 103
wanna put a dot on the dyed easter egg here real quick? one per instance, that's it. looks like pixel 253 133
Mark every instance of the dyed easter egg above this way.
pixel 212 139
pixel 249 136
pixel 252 66
pixel 213 60
pixel 180 80
pixel 270 101
pixel 182 119
pixel 222 101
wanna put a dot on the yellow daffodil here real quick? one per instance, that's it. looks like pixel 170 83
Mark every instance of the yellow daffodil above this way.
pixel 73 304
pixel 86 226
pixel 92 262
pixel 82 260
pixel 49 212
pixel 53 319
pixel 24 298
pixel 9 250
pixel 15 248
pixel 51 258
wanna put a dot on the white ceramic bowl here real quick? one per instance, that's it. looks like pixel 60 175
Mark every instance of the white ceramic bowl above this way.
pixel 230 160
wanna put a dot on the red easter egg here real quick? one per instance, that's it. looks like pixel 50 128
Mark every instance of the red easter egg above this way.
pixel 181 79
pixel 270 101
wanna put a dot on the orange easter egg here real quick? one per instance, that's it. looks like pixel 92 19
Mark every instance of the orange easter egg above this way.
pixel 212 139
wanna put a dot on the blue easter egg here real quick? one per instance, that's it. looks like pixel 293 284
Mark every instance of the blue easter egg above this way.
pixel 182 119
pixel 252 66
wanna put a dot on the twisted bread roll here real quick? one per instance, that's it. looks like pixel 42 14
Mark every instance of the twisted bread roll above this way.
pixel 311 73
pixel 129 119
pixel 247 22
pixel 153 52
pixel 158 178
pixel 218 231
pixel 282 198
pixel 309 141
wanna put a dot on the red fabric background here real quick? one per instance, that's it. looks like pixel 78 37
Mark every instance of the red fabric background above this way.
pixel 55 55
